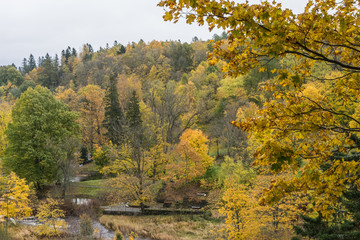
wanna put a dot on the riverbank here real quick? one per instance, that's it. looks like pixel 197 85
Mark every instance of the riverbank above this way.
pixel 181 227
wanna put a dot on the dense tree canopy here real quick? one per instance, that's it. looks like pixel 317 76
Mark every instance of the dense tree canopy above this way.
pixel 38 121
pixel 300 130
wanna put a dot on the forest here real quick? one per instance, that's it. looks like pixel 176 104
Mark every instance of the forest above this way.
pixel 253 134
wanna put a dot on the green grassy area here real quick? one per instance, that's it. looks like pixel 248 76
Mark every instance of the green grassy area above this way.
pixel 89 167
pixel 89 189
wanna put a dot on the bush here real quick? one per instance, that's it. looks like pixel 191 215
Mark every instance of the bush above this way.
pixel 86 227
pixel 118 236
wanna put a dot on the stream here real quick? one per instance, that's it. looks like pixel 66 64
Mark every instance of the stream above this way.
pixel 100 231
pixel 73 226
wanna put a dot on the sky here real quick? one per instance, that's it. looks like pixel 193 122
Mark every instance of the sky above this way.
pixel 48 26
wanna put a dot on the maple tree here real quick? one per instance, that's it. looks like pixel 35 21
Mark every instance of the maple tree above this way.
pixel 193 159
pixel 299 132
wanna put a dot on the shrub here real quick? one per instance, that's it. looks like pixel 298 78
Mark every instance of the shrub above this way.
pixel 86 227
pixel 118 236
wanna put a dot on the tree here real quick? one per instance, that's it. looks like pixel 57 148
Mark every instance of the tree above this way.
pixel 92 115
pixel 130 161
pixel 37 119
pixel 193 158
pixel 114 117
pixel 133 112
pixel 32 62
pixel 86 226
pixel 181 58
pixel 49 213
pixel 48 73
pixel 15 197
pixel 5 118
pixel 132 170
pixel 66 152
pixel 299 132
pixel 9 74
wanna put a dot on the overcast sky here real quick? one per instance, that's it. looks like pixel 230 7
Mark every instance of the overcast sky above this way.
pixel 48 26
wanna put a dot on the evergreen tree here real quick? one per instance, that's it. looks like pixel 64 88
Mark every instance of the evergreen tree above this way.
pixel 40 61
pixel 135 135
pixel 135 130
pixel 32 63
pixel 342 227
pixel 133 113
pixel 49 74
pixel 25 67
pixel 114 117
pixel 73 52
pixel 56 62
pixel 122 49
pixel 319 228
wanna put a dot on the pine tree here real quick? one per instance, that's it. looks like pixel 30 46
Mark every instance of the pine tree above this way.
pixel 122 49
pixel 40 61
pixel 344 228
pixel 49 76
pixel 114 117
pixel 135 135
pixel 133 113
pixel 25 67
pixel 32 63
pixel 73 52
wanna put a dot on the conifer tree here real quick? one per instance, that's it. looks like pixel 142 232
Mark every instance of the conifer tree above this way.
pixel 135 134
pixel 122 49
pixel 48 76
pixel 133 113
pixel 32 63
pixel 25 67
pixel 114 117
pixel 342 225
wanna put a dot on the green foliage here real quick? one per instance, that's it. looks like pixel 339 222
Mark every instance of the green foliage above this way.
pixel 133 112
pixel 235 172
pixel 344 225
pixel 114 117
pixel 38 120
pixel 9 74
pixel 48 75
pixel 180 56
pixel 103 155
pixel 118 236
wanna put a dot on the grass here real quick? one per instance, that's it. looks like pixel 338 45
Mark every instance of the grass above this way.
pixel 181 227
pixel 89 189
pixel 89 167
pixel 21 232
